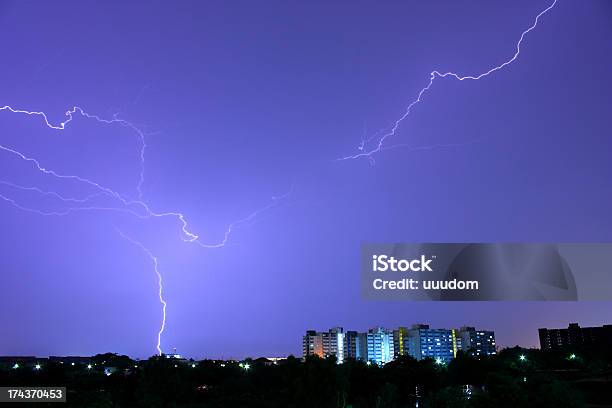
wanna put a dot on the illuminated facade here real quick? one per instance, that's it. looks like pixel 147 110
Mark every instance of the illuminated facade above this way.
pixel 477 343
pixel 377 346
pixel 438 344
pixel 312 344
pixel 324 344
pixel 380 346
pixel 400 341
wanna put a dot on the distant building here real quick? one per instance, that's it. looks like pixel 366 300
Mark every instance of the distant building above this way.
pixel 476 343
pixel 378 346
pixel 276 360
pixel 264 361
pixel 324 344
pixel 352 347
pixel 312 344
pixel 400 341
pixel 576 338
pixel 333 343
pixel 439 344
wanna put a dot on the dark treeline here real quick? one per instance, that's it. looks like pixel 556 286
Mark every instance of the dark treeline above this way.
pixel 515 378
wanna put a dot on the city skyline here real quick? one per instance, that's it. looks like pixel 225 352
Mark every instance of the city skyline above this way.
pixel 595 335
pixel 381 345
pixel 172 180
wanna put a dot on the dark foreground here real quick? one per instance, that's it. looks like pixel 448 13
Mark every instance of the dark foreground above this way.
pixel 515 378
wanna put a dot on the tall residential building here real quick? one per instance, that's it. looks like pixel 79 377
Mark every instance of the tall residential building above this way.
pixel 352 347
pixel 576 338
pixel 324 344
pixel 378 347
pixel 439 344
pixel 477 342
pixel 400 341
pixel 362 341
pixel 312 344
pixel 333 343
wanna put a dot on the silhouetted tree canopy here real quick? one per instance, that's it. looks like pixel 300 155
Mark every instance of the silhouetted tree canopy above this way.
pixel 515 378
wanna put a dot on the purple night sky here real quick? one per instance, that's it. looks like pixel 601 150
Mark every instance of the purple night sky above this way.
pixel 245 101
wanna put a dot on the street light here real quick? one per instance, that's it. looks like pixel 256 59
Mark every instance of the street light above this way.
pixel 522 357
pixel 572 356
pixel 37 367
pixel 16 366
pixel 89 366
pixel 439 361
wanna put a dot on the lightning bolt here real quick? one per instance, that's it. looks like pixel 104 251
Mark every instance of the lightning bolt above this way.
pixel 160 286
pixel 77 110
pixel 134 207
pixel 432 77
pixel 129 205
pixel 275 201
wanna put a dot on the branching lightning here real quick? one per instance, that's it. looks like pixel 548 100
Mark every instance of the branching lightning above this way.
pixel 432 77
pixel 139 208
pixel 50 193
pixel 248 218
pixel 70 117
pixel 134 207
